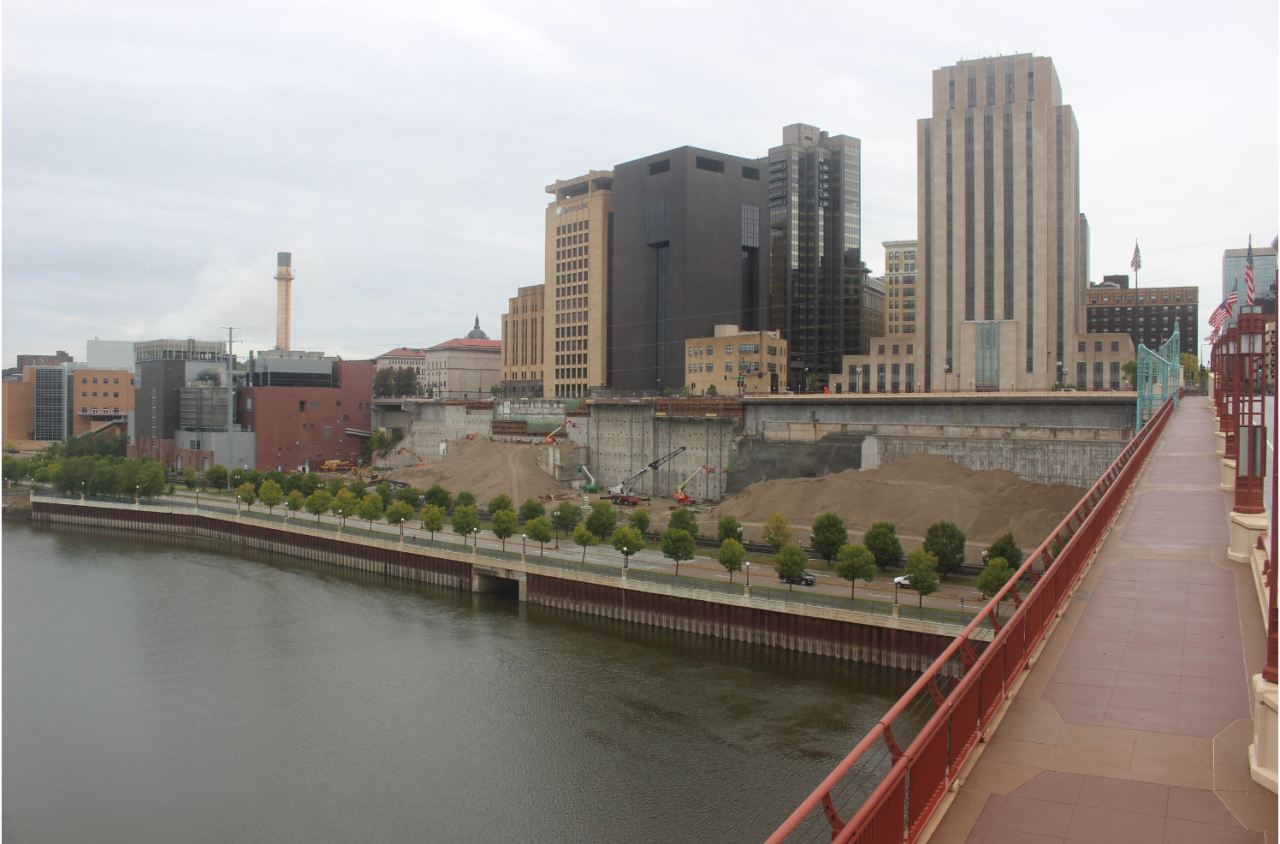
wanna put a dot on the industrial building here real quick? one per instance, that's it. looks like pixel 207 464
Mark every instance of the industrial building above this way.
pixel 109 354
pixel 52 402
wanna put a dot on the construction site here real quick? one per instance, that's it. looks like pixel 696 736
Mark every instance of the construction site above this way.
pixel 990 464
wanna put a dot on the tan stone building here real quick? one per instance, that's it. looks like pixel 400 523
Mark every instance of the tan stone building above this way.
pixel 577 253
pixel 900 287
pixel 466 367
pixel 523 333
pixel 51 402
pixel 736 362
pixel 1000 231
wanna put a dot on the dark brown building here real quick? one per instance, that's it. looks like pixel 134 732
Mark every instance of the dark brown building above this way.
pixel 689 251
pixel 1146 314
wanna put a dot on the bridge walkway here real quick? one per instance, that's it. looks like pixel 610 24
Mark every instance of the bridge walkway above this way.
pixel 1133 725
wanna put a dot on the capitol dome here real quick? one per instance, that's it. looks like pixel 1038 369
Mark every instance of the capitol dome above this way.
pixel 476 333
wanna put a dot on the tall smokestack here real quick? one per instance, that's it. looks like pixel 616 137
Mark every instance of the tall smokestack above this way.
pixel 284 298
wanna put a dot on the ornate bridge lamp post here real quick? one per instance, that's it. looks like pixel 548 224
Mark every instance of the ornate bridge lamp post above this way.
pixel 1249 389
pixel 1230 371
pixel 1263 761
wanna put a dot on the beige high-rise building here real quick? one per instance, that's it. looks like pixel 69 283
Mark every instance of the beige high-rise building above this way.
pixel 523 334
pixel 900 286
pixel 999 228
pixel 575 306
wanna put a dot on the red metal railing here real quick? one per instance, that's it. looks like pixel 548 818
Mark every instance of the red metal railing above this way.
pixel 901 789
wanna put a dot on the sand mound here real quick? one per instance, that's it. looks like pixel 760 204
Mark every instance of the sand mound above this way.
pixel 913 493
pixel 485 469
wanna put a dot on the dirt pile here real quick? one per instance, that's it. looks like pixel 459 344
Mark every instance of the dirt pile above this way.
pixel 914 493
pixel 485 469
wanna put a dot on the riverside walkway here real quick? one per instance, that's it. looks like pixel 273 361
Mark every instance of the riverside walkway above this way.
pixel 1132 726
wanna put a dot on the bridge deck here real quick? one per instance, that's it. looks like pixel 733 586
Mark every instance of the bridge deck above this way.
pixel 1133 725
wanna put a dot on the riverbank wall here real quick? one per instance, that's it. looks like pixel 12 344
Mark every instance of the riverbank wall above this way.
pixel 877 640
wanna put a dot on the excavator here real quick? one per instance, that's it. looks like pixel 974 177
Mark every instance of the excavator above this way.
pixel 620 493
pixel 688 499
pixel 415 454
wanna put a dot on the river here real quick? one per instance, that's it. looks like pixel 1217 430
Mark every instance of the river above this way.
pixel 161 690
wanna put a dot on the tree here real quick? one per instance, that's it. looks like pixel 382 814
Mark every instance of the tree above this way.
pixel 311 481
pixel 504 524
pixel 432 518
pixel 945 542
pixel 270 494
pixel 922 573
pixel 296 501
pixel 188 477
pixel 465 520
pixel 1130 370
pixel 398 513
pixel 815 383
pixel 358 488
pixel 777 532
pixel 410 495
pixel 370 508
pixel 678 545
pixel 275 475
pixel 684 520
pixel 711 391
pixel 254 477
pixel 318 502
pixel 728 528
pixel 405 382
pixel 639 519
pixel 602 518
pixel 73 472
pixel 731 556
pixel 464 499
pixel 344 504
pixel 292 482
pixel 150 480
pixel 335 486
pixel 995 574
pixel 882 542
pixel 627 541
pixel 1007 549
pixel 856 563
pixel 532 509
pixel 583 536
pixel 565 518
pixel 539 530
pixel 384 492
pixel 789 562
pixel 438 496
pixel 499 502
pixel 829 536
pixel 246 493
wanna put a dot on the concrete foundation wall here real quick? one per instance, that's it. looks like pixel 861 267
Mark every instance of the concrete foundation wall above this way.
pixel 623 438
pixel 435 423
pixel 1108 410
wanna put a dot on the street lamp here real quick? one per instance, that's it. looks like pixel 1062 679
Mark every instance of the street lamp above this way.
pixel 475 536
pixel 624 558
pixel 82 490
pixel 402 529
pixel 137 493
pixel 747 568
pixel 522 539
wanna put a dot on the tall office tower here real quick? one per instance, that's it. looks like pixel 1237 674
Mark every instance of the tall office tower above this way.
pixel 523 333
pixel 686 238
pixel 816 271
pixel 575 298
pixel 999 225
pixel 900 287
pixel 1264 276
pixel 284 300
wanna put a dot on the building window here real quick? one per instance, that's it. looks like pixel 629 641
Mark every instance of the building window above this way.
pixel 728 349
pixel 710 164
pixel 1115 345
pixel 1097 345
pixel 328 430
pixel 1080 346
pixel 657 167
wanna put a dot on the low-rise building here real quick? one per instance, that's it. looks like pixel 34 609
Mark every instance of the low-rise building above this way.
pixel 51 402
pixel 1147 314
pixel 736 362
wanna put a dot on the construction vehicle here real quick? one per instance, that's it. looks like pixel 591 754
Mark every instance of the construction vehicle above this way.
pixel 688 499
pixel 550 439
pixel 592 486
pixel 415 454
pixel 623 489
pixel 337 466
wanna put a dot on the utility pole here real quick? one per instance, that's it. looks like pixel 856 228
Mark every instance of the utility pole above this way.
pixel 231 400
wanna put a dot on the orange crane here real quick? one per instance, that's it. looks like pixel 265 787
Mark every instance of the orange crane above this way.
pixel 550 439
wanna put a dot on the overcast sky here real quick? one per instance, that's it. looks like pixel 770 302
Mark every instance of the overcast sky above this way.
pixel 157 155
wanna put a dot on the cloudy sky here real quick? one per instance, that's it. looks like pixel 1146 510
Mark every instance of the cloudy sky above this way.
pixel 156 155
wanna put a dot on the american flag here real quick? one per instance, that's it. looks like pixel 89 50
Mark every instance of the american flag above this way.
pixel 1136 263
pixel 1230 304
pixel 1218 317
pixel 1248 274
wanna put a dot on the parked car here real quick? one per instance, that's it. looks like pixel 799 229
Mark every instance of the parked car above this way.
pixel 902 581
pixel 805 579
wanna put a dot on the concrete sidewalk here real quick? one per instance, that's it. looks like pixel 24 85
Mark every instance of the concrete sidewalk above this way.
pixel 1133 725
